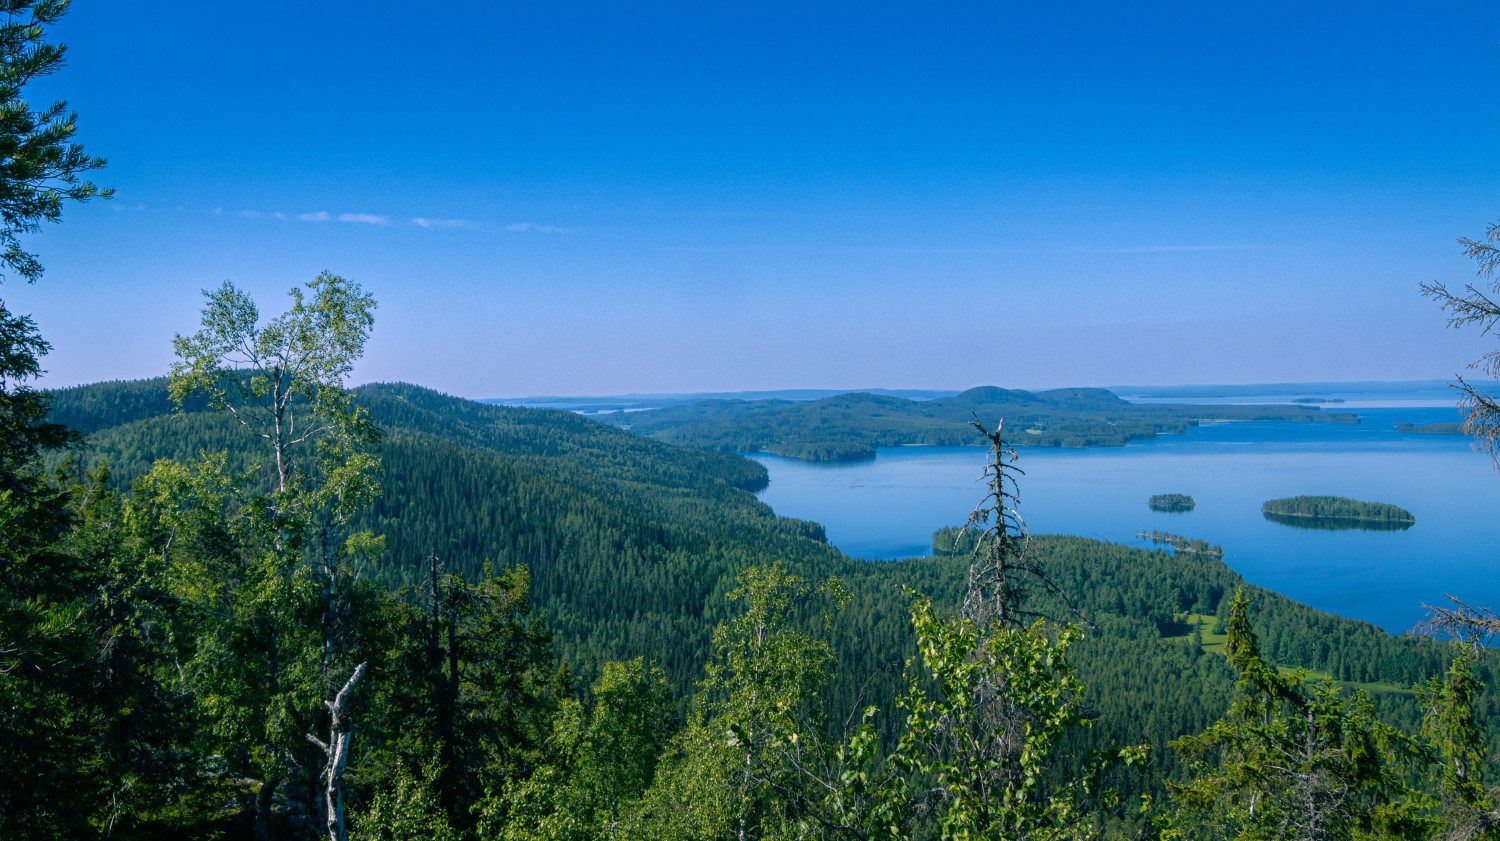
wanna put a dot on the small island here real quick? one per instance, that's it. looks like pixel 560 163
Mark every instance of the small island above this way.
pixel 1183 545
pixel 1172 503
pixel 1336 513
pixel 1438 428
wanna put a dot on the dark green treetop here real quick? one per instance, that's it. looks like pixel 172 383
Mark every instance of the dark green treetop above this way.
pixel 41 166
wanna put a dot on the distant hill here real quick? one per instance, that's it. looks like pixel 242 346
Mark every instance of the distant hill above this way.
pixel 637 402
pixel 851 426
pixel 89 408
pixel 1367 389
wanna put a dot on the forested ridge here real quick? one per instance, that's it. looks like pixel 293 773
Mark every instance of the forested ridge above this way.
pixel 851 426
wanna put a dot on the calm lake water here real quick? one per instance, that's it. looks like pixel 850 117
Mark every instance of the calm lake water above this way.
pixel 889 507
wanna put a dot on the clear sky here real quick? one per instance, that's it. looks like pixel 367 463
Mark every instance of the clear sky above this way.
pixel 566 198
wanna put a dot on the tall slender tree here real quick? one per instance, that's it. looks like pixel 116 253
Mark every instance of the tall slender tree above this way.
pixel 990 696
pixel 292 610
pixel 1469 806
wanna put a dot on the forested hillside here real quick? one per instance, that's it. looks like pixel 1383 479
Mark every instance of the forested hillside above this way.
pixel 613 524
pixel 631 546
pixel 630 542
pixel 852 426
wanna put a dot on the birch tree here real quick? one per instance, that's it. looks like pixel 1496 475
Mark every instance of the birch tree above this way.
pixel 283 381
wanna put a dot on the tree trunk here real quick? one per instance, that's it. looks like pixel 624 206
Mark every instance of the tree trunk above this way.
pixel 340 735
pixel 263 800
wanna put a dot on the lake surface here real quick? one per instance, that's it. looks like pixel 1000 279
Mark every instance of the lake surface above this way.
pixel 888 507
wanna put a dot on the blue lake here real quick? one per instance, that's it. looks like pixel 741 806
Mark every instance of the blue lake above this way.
pixel 888 507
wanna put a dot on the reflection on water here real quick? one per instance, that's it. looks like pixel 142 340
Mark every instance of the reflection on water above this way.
pixel 1337 523
pixel 889 507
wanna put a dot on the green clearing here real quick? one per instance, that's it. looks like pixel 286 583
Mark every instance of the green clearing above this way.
pixel 1214 644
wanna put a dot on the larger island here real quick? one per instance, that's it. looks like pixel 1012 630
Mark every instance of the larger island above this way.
pixel 850 427
pixel 1336 513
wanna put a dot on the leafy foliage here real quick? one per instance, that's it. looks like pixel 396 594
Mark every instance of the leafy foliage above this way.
pixel 1003 698
pixel 741 766
pixel 280 616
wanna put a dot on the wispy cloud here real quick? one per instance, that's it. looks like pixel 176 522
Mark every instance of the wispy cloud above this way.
pixel 924 250
pixel 364 218
pixel 357 218
pixel 424 222
pixel 1169 249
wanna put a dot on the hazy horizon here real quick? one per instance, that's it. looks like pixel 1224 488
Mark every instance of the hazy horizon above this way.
pixel 1422 389
pixel 1312 388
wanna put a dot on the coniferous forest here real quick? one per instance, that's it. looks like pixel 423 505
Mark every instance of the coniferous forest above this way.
pixel 246 601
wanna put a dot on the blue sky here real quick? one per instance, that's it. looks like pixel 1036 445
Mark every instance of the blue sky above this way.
pixel 568 198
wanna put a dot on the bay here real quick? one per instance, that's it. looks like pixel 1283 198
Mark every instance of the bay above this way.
pixel 888 507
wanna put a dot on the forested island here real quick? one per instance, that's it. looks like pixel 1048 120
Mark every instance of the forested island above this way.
pixel 1180 544
pixel 1172 503
pixel 851 427
pixel 1435 428
pixel 1337 512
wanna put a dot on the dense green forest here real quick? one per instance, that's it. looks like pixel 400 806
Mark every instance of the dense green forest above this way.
pixel 1336 512
pixel 1172 503
pixel 623 550
pixel 852 426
